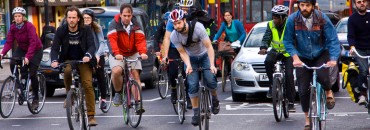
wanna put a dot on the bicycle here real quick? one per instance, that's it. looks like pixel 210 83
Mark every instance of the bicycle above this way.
pixel 279 98
pixel 75 105
pixel 318 109
pixel 162 83
pixel 180 104
pixel 13 87
pixel 132 98
pixel 226 59
pixel 108 82
pixel 367 105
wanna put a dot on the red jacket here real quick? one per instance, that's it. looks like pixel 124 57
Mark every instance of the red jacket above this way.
pixel 122 43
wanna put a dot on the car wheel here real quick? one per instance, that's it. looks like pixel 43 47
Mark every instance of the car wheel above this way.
pixel 238 97
pixel 50 90
pixel 151 83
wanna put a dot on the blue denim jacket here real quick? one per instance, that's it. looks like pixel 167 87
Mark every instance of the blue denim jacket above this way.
pixel 309 44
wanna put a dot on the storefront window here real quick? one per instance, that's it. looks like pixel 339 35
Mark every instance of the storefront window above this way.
pixel 2 22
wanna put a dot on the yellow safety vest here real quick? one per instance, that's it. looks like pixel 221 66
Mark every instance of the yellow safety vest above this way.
pixel 277 43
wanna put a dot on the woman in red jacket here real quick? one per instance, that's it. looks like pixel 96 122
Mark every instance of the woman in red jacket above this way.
pixel 29 47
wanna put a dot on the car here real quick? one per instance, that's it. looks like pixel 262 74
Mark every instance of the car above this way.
pixel 104 15
pixel 342 30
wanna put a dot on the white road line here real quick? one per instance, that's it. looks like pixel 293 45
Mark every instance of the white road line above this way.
pixel 54 124
pixel 16 125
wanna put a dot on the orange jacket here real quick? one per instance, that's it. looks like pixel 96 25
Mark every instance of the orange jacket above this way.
pixel 122 43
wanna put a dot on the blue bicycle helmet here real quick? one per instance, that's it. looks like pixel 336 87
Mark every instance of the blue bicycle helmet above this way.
pixel 166 15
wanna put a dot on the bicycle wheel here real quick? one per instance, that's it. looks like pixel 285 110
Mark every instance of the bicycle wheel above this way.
pixel 74 114
pixel 181 96
pixel 162 82
pixel 277 98
pixel 8 95
pixel 82 108
pixel 124 106
pixel 135 104
pixel 368 97
pixel 224 73
pixel 285 100
pixel 108 94
pixel 323 110
pixel 41 94
pixel 204 111
pixel 313 113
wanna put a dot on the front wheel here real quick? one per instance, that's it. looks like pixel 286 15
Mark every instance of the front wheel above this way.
pixel 277 98
pixel 204 111
pixel 181 101
pixel 313 113
pixel 135 104
pixel 41 95
pixel 224 74
pixel 8 96
pixel 108 84
pixel 162 82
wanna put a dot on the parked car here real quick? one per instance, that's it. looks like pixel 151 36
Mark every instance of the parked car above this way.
pixel 104 15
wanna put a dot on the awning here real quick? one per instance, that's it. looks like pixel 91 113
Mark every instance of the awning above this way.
pixel 66 2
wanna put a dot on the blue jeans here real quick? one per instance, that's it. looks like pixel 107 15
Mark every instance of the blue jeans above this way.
pixel 208 77
pixel 363 68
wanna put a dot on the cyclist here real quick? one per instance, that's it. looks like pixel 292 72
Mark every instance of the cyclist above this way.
pixel 159 35
pixel 234 30
pixel 29 47
pixel 169 51
pixel 358 37
pixel 197 53
pixel 310 38
pixel 89 17
pixel 74 41
pixel 274 37
pixel 126 39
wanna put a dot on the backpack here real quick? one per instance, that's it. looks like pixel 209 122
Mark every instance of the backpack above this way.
pixel 197 16
pixel 349 81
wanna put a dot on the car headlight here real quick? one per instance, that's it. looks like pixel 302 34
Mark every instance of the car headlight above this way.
pixel 239 66
pixel 45 57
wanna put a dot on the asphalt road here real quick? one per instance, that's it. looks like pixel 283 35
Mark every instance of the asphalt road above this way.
pixel 252 114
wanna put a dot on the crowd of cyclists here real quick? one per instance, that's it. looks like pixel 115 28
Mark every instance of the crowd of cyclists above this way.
pixel 304 37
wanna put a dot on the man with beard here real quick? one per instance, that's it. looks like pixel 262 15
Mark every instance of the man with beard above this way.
pixel 74 41
pixel 359 38
pixel 310 38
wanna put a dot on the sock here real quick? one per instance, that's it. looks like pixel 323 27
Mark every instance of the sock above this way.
pixel 214 97
pixel 196 111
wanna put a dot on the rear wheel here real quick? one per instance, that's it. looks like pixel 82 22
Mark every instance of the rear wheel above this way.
pixel 162 82
pixel 135 104
pixel 277 99
pixel 181 101
pixel 8 95
pixel 109 92
pixel 41 94
pixel 224 74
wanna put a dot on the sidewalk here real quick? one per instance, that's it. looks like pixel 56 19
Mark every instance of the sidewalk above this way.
pixel 5 72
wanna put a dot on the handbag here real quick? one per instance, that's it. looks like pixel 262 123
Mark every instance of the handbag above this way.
pixel 225 47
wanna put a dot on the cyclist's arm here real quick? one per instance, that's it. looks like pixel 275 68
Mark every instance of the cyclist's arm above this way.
pixel 241 30
pixel 33 40
pixel 184 56
pixel 90 43
pixel 289 36
pixel 332 41
pixel 112 38
pixel 219 32
pixel 351 32
pixel 55 47
pixel 140 41
pixel 100 50
pixel 9 42
pixel 267 38
pixel 166 44
pixel 211 53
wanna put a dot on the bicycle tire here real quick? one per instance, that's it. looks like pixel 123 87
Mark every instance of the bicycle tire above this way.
pixel 368 97
pixel 285 100
pixel 204 112
pixel 8 89
pixel 181 96
pixel 277 102
pixel 125 110
pixel 323 110
pixel 41 93
pixel 223 74
pixel 162 82
pixel 109 95
pixel 82 108
pixel 74 116
pixel 313 113
pixel 135 99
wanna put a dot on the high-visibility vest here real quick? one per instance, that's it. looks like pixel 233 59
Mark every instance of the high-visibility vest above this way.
pixel 276 42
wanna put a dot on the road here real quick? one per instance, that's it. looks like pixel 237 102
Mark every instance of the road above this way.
pixel 253 114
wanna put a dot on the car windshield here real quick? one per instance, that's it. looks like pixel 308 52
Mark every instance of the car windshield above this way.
pixel 342 27
pixel 104 22
pixel 255 38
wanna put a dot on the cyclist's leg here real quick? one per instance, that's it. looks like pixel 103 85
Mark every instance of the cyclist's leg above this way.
pixel 289 80
pixel 33 67
pixel 117 80
pixel 67 77
pixel 173 71
pixel 362 77
pixel 270 66
pixel 86 80
pixel 136 68
pixel 188 101
pixel 211 83
pixel 304 77
pixel 193 82
pixel 101 78
pixel 323 77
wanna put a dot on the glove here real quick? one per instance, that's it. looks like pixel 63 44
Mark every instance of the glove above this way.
pixel 235 44
pixel 262 52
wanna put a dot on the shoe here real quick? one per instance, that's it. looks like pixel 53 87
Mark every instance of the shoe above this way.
pixel 117 100
pixel 362 100
pixel 139 110
pixel 92 121
pixel 103 105
pixel 195 120
pixel 173 97
pixel 330 102
pixel 35 104
pixel 188 104
pixel 307 127
pixel 215 106
pixel 291 107
pixel 269 93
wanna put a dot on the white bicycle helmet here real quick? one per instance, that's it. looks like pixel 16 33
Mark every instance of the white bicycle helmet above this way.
pixel 280 10
pixel 186 3
pixel 176 14
pixel 19 10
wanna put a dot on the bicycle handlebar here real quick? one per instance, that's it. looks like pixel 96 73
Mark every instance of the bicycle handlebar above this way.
pixel 361 56
pixel 314 68
pixel 13 58
pixel 75 62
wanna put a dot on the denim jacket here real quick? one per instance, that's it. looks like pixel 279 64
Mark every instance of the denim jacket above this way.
pixel 298 40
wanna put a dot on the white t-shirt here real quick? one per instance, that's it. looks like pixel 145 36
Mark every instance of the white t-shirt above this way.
pixel 199 35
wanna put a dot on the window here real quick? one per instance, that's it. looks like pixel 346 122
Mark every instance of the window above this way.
pixel 255 38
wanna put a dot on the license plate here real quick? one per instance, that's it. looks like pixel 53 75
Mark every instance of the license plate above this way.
pixel 263 77
pixel 61 76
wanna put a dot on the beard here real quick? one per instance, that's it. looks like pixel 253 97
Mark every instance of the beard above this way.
pixel 361 9
pixel 306 14
pixel 72 25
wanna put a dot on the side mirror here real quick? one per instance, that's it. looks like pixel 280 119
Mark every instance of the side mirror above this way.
pixel 235 45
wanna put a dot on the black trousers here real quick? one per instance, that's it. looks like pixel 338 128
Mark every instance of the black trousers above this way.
pixel 270 61
pixel 101 79
pixel 173 68
pixel 304 77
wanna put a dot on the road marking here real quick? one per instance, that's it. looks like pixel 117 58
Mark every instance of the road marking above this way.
pixel 247 106
pixel 221 81
pixel 16 125
pixel 54 124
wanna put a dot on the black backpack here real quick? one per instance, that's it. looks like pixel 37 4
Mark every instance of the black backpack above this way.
pixel 197 16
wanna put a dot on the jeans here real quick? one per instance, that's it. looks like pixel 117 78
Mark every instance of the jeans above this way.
pixel 270 61
pixel 208 77
pixel 363 68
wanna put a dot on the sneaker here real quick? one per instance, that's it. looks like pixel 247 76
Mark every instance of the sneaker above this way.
pixel 103 105
pixel 92 121
pixel 195 120
pixel 35 104
pixel 291 107
pixel 269 93
pixel 117 100
pixel 173 97
pixel 362 100
pixel 215 106
pixel 139 110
